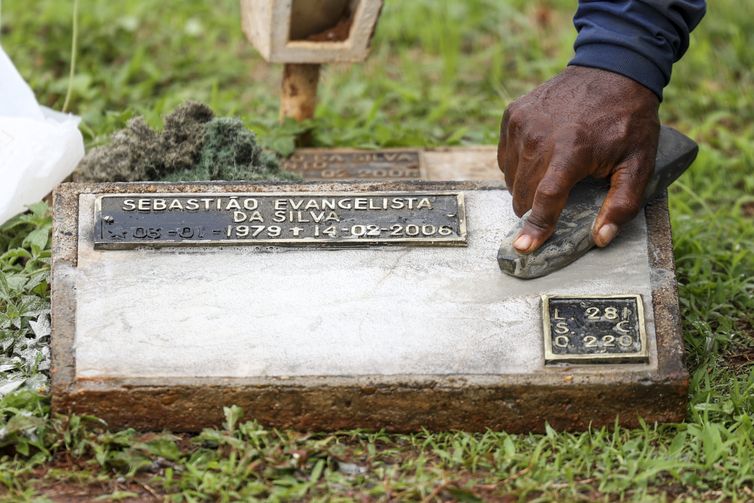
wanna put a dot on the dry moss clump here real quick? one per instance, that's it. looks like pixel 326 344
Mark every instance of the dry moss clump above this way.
pixel 193 145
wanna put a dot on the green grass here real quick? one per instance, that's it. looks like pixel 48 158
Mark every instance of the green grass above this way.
pixel 440 73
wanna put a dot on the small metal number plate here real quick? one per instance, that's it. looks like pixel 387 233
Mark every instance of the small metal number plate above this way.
pixel 594 329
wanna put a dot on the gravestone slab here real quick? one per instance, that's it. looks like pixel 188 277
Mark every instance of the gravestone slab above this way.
pixel 398 317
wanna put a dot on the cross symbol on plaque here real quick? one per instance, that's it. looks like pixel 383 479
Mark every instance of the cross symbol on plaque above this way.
pixel 296 230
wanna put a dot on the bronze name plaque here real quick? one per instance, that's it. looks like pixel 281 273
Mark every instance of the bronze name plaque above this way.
pixel 357 165
pixel 292 218
pixel 594 329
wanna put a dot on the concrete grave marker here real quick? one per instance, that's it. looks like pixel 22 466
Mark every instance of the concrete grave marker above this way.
pixel 310 31
pixel 303 34
pixel 168 305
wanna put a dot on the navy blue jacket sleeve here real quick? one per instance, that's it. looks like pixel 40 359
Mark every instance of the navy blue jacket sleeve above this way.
pixel 640 39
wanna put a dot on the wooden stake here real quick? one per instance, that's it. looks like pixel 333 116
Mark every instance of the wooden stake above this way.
pixel 299 91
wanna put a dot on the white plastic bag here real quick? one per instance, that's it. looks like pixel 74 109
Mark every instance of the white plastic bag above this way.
pixel 39 147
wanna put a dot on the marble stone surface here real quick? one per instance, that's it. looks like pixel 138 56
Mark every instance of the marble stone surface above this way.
pixel 293 312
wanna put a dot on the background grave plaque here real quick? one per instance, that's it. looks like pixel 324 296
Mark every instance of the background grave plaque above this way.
pixel 477 163
pixel 339 164
pixel 393 336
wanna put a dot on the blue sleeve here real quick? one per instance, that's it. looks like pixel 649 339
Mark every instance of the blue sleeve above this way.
pixel 640 39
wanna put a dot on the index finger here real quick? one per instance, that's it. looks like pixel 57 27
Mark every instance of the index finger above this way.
pixel 549 200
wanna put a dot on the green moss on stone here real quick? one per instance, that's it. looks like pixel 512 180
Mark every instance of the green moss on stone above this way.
pixel 182 139
pixel 193 146
pixel 130 156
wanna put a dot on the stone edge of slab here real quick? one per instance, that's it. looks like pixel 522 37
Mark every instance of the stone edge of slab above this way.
pixel 567 398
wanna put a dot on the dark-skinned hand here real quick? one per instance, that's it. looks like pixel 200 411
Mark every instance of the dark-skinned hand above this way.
pixel 584 122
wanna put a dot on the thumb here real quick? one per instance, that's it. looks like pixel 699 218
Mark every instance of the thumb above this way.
pixel 624 199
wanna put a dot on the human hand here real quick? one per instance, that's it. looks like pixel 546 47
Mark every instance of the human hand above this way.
pixel 584 122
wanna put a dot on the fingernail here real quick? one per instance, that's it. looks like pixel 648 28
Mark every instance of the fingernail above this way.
pixel 522 242
pixel 606 234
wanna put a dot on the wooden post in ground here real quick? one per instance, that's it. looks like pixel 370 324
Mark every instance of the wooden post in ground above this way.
pixel 298 96
pixel 304 34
